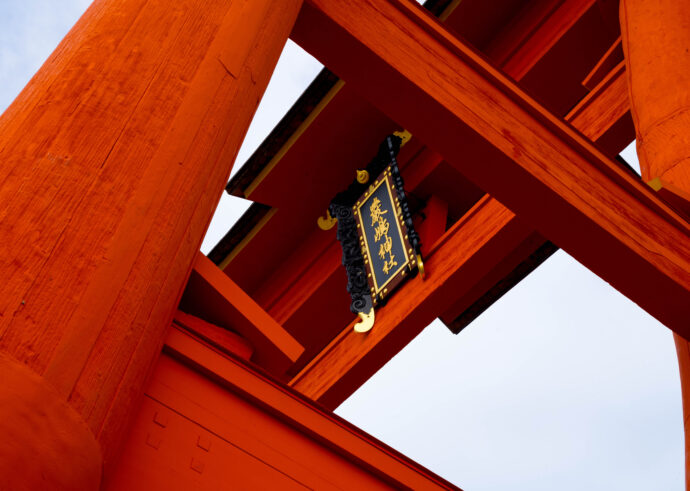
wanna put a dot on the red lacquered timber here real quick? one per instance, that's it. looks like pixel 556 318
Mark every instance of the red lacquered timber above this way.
pixel 656 39
pixel 212 293
pixel 443 92
pixel 456 262
pixel 210 422
pixel 602 117
pixel 113 160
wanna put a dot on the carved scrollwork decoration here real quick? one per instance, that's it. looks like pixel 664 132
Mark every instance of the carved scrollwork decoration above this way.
pixel 341 210
pixel 353 260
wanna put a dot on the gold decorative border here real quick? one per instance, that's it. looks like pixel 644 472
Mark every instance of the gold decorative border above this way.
pixel 384 177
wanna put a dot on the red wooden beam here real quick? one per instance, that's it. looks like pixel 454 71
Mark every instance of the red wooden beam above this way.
pixel 506 271
pixel 290 408
pixel 214 297
pixel 605 112
pixel 219 338
pixel 307 271
pixel 407 64
pixel 456 262
pixel 603 116
pixel 345 363
pixel 540 26
pixel 678 198
pixel 605 65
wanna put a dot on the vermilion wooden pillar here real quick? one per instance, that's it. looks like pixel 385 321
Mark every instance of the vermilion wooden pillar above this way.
pixel 656 40
pixel 112 160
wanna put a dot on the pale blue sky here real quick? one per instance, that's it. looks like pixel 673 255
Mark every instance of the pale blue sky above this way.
pixel 561 385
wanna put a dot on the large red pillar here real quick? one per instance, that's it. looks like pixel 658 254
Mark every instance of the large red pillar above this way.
pixel 656 40
pixel 112 160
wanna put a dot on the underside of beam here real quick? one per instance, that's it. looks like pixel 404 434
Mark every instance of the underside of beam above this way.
pixel 402 60
pixel 603 116
pixel 456 262
pixel 211 295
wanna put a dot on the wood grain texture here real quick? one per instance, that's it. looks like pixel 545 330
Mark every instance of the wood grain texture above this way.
pixel 559 17
pixel 604 106
pixel 442 91
pixel 596 117
pixel 254 412
pixel 456 262
pixel 605 65
pixel 656 41
pixel 603 116
pixel 212 295
pixel 221 339
pixel 114 158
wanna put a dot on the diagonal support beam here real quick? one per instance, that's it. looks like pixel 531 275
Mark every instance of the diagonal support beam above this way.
pixel 406 63
pixel 345 363
pixel 603 117
pixel 213 296
pixel 456 262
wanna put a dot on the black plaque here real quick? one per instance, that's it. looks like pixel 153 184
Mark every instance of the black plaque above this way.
pixel 376 265
pixel 388 254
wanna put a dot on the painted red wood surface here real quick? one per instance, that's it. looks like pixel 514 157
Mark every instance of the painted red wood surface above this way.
pixel 336 372
pixel 656 41
pixel 113 147
pixel 212 295
pixel 210 422
pixel 302 279
pixel 114 157
pixel 549 174
pixel 603 115
pixel 456 262
pixel 216 336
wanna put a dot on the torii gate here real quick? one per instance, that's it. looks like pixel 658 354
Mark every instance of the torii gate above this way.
pixel 115 155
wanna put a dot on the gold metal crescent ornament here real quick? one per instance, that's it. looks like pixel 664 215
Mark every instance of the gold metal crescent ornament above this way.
pixel 362 176
pixel 327 222
pixel 366 321
pixel 404 135
pixel 420 266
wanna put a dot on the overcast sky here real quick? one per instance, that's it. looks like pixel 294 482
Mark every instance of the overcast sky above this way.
pixel 563 384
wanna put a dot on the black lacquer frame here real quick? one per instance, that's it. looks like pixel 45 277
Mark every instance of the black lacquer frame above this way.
pixel 341 208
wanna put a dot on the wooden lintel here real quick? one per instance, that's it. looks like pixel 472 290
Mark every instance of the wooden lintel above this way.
pixel 287 290
pixel 457 261
pixel 430 82
pixel 296 412
pixel 216 336
pixel 604 117
pixel 211 295
pixel 289 285
pixel 507 44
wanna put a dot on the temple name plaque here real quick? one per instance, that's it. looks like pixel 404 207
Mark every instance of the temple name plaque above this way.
pixel 388 255
pixel 380 245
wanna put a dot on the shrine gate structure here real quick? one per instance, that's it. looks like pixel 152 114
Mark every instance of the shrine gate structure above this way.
pixel 130 360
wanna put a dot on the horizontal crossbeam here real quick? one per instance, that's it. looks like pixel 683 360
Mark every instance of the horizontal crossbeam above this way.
pixel 419 74
pixel 457 261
